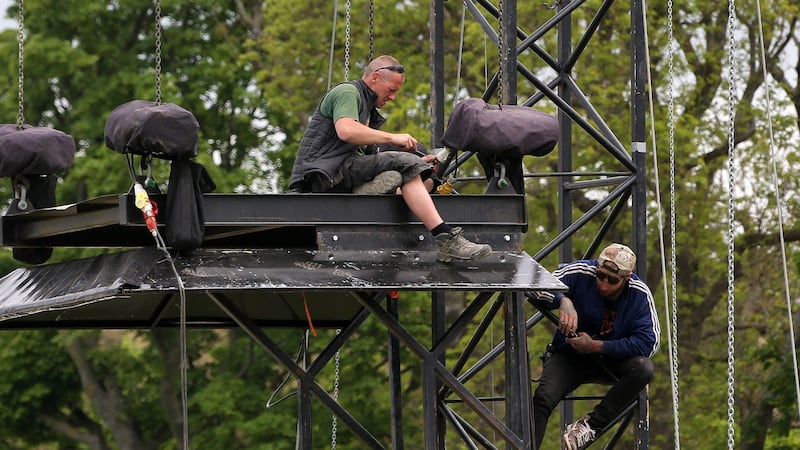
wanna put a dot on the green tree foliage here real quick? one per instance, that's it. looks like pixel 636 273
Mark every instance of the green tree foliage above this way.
pixel 252 72
pixel 33 402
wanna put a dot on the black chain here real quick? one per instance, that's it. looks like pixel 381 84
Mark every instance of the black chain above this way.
pixel 20 67
pixel 501 54
pixel 371 28
pixel 347 8
pixel 158 52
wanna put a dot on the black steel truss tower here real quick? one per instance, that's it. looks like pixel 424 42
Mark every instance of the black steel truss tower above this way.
pixel 266 258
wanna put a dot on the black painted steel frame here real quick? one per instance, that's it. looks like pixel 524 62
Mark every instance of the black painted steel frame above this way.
pixel 443 386
pixel 627 185
pixel 564 91
pixel 440 383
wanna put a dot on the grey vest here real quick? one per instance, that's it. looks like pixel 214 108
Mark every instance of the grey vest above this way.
pixel 321 151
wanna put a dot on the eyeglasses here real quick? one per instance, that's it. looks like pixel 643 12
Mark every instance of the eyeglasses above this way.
pixel 608 278
pixel 397 68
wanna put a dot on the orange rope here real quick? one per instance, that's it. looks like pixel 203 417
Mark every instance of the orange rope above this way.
pixel 308 315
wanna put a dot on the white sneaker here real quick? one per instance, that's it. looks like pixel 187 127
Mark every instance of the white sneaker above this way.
pixel 577 434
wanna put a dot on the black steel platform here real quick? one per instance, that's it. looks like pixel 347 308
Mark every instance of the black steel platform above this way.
pixel 313 221
pixel 271 253
pixel 138 288
pixel 299 260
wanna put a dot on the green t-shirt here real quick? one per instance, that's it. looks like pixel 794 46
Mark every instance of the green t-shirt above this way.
pixel 341 101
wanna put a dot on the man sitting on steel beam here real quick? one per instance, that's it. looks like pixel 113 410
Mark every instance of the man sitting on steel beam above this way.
pixel 337 154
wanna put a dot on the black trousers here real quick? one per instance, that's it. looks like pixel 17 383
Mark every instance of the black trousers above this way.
pixel 563 373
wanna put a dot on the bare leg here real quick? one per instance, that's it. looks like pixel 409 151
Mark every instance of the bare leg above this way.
pixel 419 201
pixel 428 184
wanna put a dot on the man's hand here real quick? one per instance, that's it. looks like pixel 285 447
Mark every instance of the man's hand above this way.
pixel 430 159
pixel 583 343
pixel 404 141
pixel 567 317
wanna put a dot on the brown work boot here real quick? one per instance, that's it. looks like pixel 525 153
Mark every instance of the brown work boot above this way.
pixel 454 246
pixel 383 183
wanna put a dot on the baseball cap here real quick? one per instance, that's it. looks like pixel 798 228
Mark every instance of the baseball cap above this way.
pixel 621 255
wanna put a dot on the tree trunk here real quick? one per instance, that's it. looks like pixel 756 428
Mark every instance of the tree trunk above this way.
pixel 104 396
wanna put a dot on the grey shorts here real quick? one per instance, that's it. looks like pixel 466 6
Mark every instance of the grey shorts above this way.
pixel 358 169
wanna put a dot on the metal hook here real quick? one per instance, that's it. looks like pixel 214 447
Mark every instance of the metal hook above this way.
pixel 21 185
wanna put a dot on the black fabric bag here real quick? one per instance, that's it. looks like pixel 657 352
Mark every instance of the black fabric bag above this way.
pixel 165 130
pixel 513 131
pixel 32 156
pixel 41 193
pixel 185 226
pixel 501 137
pixel 34 150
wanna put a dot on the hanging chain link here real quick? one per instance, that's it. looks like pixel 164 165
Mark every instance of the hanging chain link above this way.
pixel 371 29
pixel 20 67
pixel 673 237
pixel 731 224
pixel 158 51
pixel 347 7
pixel 335 421
pixel 501 54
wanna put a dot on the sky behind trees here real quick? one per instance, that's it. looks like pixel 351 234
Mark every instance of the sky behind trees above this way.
pixel 6 22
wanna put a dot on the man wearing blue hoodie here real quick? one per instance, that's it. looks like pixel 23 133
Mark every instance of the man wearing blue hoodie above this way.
pixel 608 332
